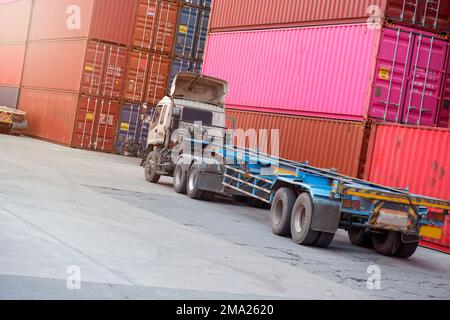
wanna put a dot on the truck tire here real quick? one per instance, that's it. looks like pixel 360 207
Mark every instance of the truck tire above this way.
pixel 192 189
pixel 150 170
pixel 208 196
pixel 180 177
pixel 387 243
pixel 407 250
pixel 324 240
pixel 301 221
pixel 359 237
pixel 281 211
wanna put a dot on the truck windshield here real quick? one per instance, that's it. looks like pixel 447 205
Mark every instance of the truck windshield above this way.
pixel 196 115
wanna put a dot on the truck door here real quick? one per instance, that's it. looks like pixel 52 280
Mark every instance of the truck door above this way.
pixel 157 131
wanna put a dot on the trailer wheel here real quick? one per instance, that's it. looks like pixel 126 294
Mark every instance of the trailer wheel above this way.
pixel 387 243
pixel 324 240
pixel 301 221
pixel 150 168
pixel 192 189
pixel 406 250
pixel 179 177
pixel 281 210
pixel 359 237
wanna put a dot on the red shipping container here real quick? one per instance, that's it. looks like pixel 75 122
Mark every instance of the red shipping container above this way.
pixel 235 15
pixel 50 115
pixel 323 143
pixel 11 64
pixel 156 25
pixel 104 70
pixel 76 66
pixel 14 21
pixel 390 73
pixel 108 20
pixel 96 124
pixel 414 158
pixel 147 77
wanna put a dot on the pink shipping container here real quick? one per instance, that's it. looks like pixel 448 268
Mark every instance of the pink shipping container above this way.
pixel 342 71
pixel 76 66
pixel 444 118
pixel 416 158
pixel 108 20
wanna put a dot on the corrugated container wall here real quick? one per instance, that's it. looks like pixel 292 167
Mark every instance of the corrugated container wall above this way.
pixel 132 127
pixel 234 15
pixel 288 70
pixel 107 20
pixel 192 32
pixel 393 73
pixel 324 143
pixel 14 21
pixel 11 64
pixel 155 26
pixel 183 65
pixel 76 66
pixel 415 158
pixel 50 115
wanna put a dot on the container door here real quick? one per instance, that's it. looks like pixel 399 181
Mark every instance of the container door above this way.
pixel 114 76
pixel 96 122
pixel 436 14
pixel 138 66
pixel 405 11
pixel 426 76
pixel 158 76
pixel 396 49
pixel 128 126
pixel 187 31
pixel 157 126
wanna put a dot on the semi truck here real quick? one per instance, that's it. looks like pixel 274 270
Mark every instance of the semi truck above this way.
pixel 188 141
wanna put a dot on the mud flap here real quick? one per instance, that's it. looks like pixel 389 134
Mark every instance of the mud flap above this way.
pixel 326 217
pixel 210 182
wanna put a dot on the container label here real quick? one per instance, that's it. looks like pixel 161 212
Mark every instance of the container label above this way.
pixel 385 73
pixel 90 116
pixel 124 126
pixel 183 29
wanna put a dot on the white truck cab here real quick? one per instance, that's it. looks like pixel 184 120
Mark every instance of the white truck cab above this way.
pixel 195 102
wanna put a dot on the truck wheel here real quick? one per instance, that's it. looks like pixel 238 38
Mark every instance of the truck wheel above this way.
pixel 301 221
pixel 359 237
pixel 386 243
pixel 192 189
pixel 407 250
pixel 324 240
pixel 179 177
pixel 281 210
pixel 150 168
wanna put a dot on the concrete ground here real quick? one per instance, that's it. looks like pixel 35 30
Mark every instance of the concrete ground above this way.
pixel 61 207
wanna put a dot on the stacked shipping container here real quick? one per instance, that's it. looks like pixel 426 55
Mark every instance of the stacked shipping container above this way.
pixel 13 46
pixel 319 71
pixel 85 62
pixel 169 37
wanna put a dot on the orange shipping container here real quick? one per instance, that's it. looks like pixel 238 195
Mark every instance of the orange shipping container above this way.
pixel 11 64
pixel 96 124
pixel 323 143
pixel 50 115
pixel 108 20
pixel 147 77
pixel 76 66
pixel 156 25
pixel 14 21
